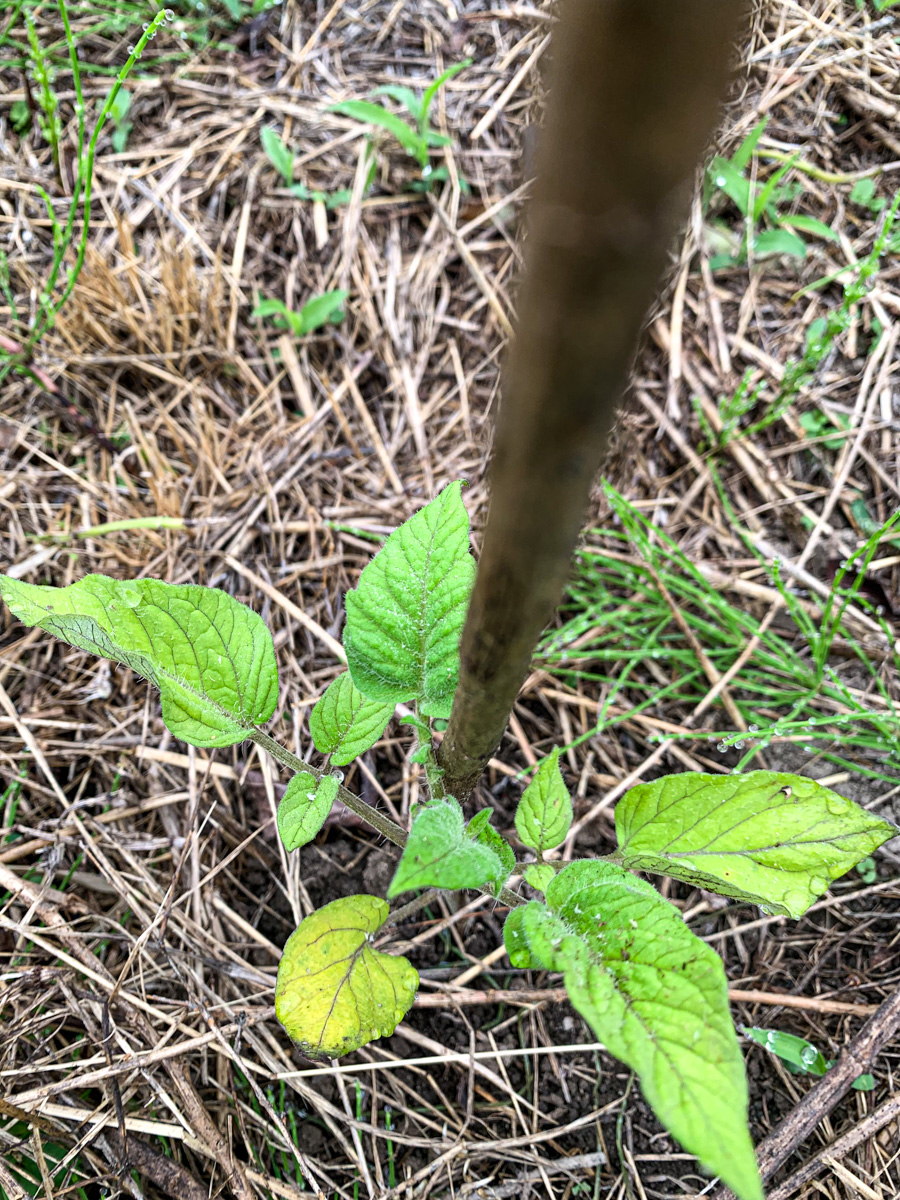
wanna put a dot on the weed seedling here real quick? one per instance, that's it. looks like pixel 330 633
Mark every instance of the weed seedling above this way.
pixel 281 157
pixel 316 312
pixel 767 230
pixel 417 139
pixel 654 993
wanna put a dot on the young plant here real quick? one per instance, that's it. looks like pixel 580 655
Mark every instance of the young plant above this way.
pixel 316 312
pixel 417 139
pixel 654 993
pixel 55 292
pixel 122 127
pixel 281 157
pixel 760 206
pixel 798 1055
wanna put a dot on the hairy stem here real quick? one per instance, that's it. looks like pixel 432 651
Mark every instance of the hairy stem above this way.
pixel 634 96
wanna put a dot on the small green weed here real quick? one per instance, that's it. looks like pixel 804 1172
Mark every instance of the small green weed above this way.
pixel 767 230
pixel 821 337
pixel 620 634
pixel 798 1055
pixel 417 139
pixel 316 312
pixel 118 112
pixel 281 157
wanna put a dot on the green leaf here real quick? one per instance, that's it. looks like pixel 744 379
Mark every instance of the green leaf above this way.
pixel 405 96
pixel 211 657
pixel 656 996
pixel 119 136
pixel 433 88
pixel 278 154
pixel 375 114
pixel 334 992
pixel 544 813
pixel 304 806
pixel 284 317
pixel 775 839
pixel 440 853
pixel 864 1083
pixel 810 225
pixel 321 309
pixel 744 152
pixel 344 723
pixel 729 180
pixel 539 875
pixel 791 1049
pixel 405 617
pixel 779 241
pixel 484 834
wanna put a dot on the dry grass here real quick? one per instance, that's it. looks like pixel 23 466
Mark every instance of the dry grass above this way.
pixel 145 896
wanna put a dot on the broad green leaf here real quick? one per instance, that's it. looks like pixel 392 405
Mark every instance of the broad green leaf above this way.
pixel 344 723
pixel 283 317
pixel 211 657
pixel 304 806
pixel 544 813
pixel 656 996
pixel 441 853
pixel 779 241
pixel 278 154
pixel 811 225
pixel 796 1051
pixel 775 839
pixel 334 992
pixel 376 114
pixel 405 617
pixel 539 875
pixel 321 309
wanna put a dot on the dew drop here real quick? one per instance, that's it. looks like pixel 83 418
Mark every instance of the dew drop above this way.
pixel 837 805
pixel 754 729
pixel 130 49
pixel 339 776
pixel 808 1055
pixel 145 26
pixel 738 745
pixel 169 14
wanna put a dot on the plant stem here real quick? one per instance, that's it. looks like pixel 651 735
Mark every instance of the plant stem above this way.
pixel 634 96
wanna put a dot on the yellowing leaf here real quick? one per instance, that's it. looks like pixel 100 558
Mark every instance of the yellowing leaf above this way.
pixel 304 806
pixel 334 992
pixel 211 657
pixel 769 837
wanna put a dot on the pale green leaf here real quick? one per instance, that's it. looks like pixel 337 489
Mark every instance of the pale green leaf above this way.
pixel 344 723
pixel 775 839
pixel 375 114
pixel 304 806
pixel 211 657
pixel 441 853
pixel 319 310
pixel 656 996
pixel 405 617
pixel 791 1049
pixel 278 154
pixel 334 992
pixel 544 814
pixel 539 875
pixel 779 241
pixel 810 225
